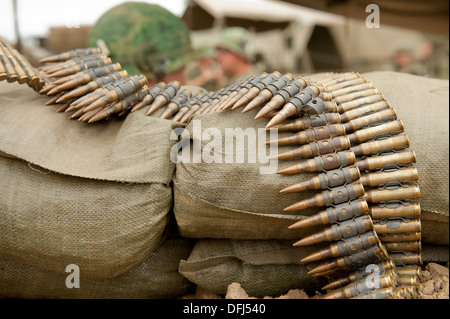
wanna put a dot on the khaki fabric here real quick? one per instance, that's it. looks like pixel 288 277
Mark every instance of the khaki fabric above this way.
pixel 97 196
pixel 262 267
pixel 156 277
pixel 214 200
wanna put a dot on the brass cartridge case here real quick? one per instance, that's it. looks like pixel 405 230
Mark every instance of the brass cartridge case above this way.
pixel 363 286
pixel 377 162
pixel 321 147
pixel 329 179
pixel 400 193
pixel 404 246
pixel 402 210
pixel 394 238
pixel 382 178
pixel 364 111
pixel 369 133
pixel 398 226
pixel 335 196
pixel 385 266
pixel 344 84
pixel 312 134
pixel 358 260
pixel 328 96
pixel 388 144
pixel 359 102
pixel 406 258
pixel 338 213
pixel 320 163
pixel 346 229
pixel 345 246
pixel 356 95
pixel 383 115
pixel 309 121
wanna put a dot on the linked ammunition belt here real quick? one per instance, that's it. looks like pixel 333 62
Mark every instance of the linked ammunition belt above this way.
pixel 342 128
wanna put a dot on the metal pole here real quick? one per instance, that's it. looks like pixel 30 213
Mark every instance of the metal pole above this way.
pixel 16 26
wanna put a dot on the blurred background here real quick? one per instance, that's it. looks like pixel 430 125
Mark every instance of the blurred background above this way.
pixel 297 36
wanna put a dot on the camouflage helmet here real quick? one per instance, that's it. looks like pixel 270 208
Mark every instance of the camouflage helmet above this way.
pixel 235 39
pixel 144 38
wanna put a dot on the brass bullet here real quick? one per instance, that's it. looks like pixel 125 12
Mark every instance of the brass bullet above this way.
pixel 295 104
pixel 312 134
pixel 328 179
pixel 256 89
pixel 386 266
pixel 360 259
pixel 80 67
pixel 175 104
pixel 70 54
pixel 338 213
pixel 119 106
pixel 323 162
pixel 283 96
pixel 363 286
pixel 150 97
pixel 93 85
pixel 268 92
pixel 309 121
pixel 163 97
pixel 344 247
pixel 244 90
pixel 346 229
pixel 321 147
pixel 235 91
pixel 121 91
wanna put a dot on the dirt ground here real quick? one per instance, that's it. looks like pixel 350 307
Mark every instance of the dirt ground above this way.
pixel 434 284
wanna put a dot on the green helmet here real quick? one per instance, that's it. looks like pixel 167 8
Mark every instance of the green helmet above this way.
pixel 235 39
pixel 144 38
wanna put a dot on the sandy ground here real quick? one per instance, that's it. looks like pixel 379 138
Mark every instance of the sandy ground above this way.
pixel 434 284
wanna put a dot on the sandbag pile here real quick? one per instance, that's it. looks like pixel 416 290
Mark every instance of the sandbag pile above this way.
pixel 100 196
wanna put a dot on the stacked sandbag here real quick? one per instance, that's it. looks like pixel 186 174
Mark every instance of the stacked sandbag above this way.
pixel 262 267
pixel 217 196
pixel 214 199
pixel 156 277
pixel 95 196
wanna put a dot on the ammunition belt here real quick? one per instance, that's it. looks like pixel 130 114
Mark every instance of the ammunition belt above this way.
pixel 382 164
pixel 344 130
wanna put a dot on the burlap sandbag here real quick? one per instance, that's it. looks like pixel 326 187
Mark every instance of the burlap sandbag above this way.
pixel 262 267
pixel 156 277
pixel 231 198
pixel 222 200
pixel 93 195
